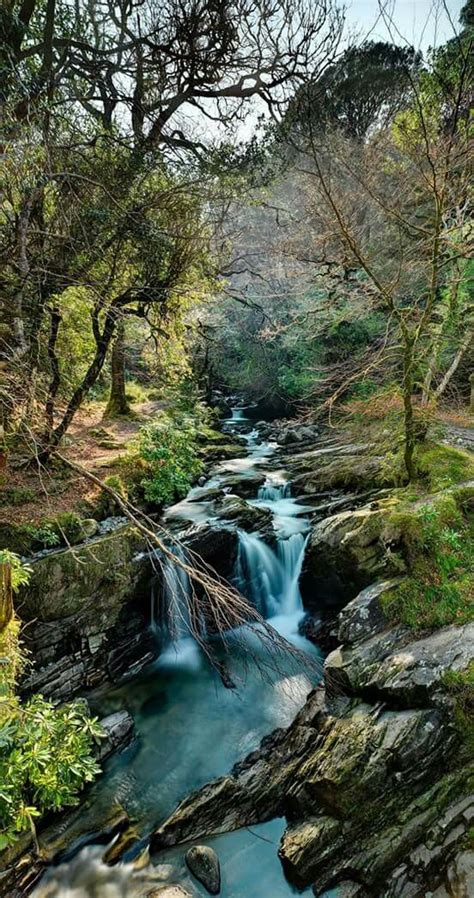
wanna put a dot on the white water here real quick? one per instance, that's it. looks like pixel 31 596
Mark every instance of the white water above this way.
pixel 192 729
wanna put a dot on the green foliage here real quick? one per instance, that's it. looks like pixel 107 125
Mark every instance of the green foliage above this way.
pixel 45 759
pixel 169 447
pixel 438 541
pixel 20 572
pixel 441 466
pixel 17 496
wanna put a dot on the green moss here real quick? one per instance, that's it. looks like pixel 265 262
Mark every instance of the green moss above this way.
pixel 17 496
pixel 460 685
pixel 438 545
pixel 440 466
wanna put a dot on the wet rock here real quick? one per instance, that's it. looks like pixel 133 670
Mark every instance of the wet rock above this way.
pixel 396 667
pixel 346 553
pixel 217 546
pixel 206 494
pixel 169 891
pixel 243 515
pixel 363 616
pixel 119 731
pixel 204 865
pixel 246 484
pixel 297 433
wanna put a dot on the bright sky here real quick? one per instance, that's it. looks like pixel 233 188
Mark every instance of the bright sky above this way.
pixel 422 23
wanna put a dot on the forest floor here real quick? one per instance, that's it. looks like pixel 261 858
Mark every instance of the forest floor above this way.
pixel 28 496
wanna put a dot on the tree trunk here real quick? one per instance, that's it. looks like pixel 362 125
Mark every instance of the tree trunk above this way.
pixel 117 404
pixel 454 365
pixel 6 596
pixel 409 423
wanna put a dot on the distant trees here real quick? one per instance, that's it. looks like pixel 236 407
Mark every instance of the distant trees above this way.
pixel 366 85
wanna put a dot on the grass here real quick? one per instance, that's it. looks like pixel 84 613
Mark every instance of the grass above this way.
pixel 438 544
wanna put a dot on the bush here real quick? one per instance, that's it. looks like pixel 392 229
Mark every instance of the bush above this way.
pixel 169 447
pixel 45 751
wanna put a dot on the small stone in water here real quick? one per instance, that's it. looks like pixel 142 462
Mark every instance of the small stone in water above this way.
pixel 204 865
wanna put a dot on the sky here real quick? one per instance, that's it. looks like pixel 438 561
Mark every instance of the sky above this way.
pixel 422 23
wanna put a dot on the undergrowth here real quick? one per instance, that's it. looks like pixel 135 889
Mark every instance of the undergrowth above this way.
pixel 437 540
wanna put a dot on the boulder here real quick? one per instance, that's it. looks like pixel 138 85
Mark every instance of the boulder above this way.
pixel 217 546
pixel 246 484
pixel 363 616
pixel 243 515
pixel 204 865
pixel 396 668
pixel 346 553
pixel 118 730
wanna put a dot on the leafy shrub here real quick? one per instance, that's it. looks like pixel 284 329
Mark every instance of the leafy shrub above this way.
pixel 45 751
pixel 169 448
pixel 45 759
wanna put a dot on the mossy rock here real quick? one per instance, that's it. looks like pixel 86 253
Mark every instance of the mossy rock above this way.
pixel 222 452
pixel 441 466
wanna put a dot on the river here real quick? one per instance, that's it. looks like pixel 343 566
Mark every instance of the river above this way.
pixel 191 728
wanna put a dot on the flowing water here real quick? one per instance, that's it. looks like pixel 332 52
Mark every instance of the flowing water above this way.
pixel 190 727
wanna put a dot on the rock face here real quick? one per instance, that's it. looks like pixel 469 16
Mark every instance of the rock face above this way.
pixel 399 669
pixel 90 607
pixel 346 553
pixel 204 865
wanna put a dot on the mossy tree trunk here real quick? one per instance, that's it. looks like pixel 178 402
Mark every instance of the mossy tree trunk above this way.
pixel 6 596
pixel 408 416
pixel 118 404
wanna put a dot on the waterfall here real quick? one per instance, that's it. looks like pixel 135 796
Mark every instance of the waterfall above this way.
pixel 169 605
pixel 267 578
pixel 272 491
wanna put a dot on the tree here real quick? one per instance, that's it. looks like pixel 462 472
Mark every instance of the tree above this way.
pixel 366 84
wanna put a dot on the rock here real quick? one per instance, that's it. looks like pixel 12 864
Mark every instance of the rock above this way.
pixel 217 546
pixel 346 553
pixel 243 515
pixel 461 875
pixel 223 451
pixel 205 494
pixel 118 729
pixel 246 484
pixel 363 616
pixel 90 607
pixel 89 527
pixel 169 891
pixel 396 667
pixel 204 865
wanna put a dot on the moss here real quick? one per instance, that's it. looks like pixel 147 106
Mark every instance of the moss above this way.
pixel 460 685
pixel 440 466
pixel 437 543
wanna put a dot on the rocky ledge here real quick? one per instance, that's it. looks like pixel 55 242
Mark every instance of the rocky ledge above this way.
pixel 373 775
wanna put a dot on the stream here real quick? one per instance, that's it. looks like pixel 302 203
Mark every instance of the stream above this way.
pixel 190 728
